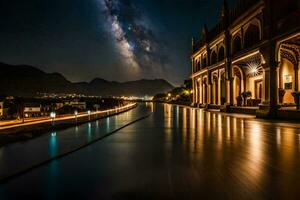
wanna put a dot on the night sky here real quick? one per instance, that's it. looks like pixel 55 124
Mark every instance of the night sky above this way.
pixel 111 39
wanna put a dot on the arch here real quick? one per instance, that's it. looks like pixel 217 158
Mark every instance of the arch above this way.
pixel 195 65
pixel 198 65
pixel 215 88
pixel 221 53
pixel 236 44
pixel 238 82
pixel 204 90
pixel 213 58
pixel 199 87
pixel 252 33
pixel 287 79
pixel 204 61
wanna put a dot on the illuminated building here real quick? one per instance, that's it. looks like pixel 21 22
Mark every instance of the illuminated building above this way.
pixel 255 48
pixel 32 110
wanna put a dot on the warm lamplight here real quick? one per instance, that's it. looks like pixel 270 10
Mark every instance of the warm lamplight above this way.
pixel 52 115
pixel 254 71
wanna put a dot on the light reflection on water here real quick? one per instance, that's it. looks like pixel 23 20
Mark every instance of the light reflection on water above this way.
pixel 18 156
pixel 89 132
pixel 246 144
pixel 53 147
pixel 180 152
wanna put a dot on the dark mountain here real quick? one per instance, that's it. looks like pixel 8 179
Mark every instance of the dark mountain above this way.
pixel 23 80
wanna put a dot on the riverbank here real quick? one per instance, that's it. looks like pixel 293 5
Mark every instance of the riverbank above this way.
pixel 22 132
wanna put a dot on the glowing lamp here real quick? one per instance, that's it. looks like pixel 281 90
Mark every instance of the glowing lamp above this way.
pixel 52 114
pixel 254 71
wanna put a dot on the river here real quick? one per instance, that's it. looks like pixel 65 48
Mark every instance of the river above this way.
pixel 175 153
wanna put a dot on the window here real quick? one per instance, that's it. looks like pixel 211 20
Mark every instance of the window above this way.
pixel 213 58
pixel 221 55
pixel 252 35
pixel 236 44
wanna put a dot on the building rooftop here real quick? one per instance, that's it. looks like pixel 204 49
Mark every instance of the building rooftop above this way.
pixel 228 17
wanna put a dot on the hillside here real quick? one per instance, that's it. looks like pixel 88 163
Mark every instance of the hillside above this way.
pixel 24 80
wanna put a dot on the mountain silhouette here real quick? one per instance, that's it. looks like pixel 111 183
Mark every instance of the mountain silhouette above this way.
pixel 27 81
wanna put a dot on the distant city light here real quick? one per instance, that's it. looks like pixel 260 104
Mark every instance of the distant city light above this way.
pixel 89 113
pixel 52 115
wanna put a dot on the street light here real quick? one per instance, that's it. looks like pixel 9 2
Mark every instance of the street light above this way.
pixel 52 115
pixel 89 113
pixel 76 113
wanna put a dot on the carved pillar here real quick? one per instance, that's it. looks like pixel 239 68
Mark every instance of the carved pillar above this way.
pixel 269 106
pixel 214 95
pixel 194 91
pixel 204 93
pixel 209 88
pixel 231 80
pixel 228 91
pixel 219 89
pixel 296 77
pixel 274 84
pixel 266 85
pixel 200 91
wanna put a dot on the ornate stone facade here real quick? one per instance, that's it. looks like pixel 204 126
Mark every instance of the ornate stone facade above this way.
pixel 253 51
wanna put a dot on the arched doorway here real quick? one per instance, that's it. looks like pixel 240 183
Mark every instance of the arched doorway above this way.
pixel 287 80
pixel 213 58
pixel 238 84
pixel 221 54
pixel 236 44
pixel 215 94
pixel 254 80
pixel 288 55
pixel 223 88
pixel 252 35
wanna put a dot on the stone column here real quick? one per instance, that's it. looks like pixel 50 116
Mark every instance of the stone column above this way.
pixel 194 90
pixel 204 93
pixel 229 84
pixel 213 93
pixel 266 85
pixel 219 90
pixel 228 91
pixel 209 88
pixel 200 91
pixel 269 106
pixel 274 85
pixel 296 77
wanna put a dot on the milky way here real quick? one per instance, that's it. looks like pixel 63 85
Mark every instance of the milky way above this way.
pixel 143 54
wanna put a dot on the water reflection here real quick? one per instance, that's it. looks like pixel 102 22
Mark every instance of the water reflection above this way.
pixel 151 106
pixel 89 132
pixel 107 124
pixel 18 156
pixel 180 152
pixel 245 145
pixel 53 147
